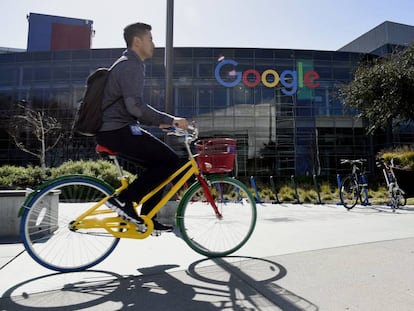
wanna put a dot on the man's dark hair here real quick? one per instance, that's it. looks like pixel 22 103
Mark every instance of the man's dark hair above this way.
pixel 135 30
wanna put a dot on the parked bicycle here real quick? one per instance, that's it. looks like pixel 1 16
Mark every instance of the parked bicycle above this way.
pixel 354 186
pixel 66 225
pixel 398 196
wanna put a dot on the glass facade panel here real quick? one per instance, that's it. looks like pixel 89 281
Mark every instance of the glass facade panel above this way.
pixel 27 72
pixel 42 73
pixel 205 69
pixel 61 72
pixel 80 71
pixel 8 76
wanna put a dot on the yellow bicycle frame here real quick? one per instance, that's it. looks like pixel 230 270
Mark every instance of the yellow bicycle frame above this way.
pixel 118 227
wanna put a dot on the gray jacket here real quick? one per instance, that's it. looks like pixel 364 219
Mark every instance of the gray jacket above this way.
pixel 124 95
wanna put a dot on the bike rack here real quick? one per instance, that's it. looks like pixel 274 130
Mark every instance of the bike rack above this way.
pixel 317 189
pixel 295 187
pixel 253 184
pixel 273 187
pixel 339 183
pixel 365 183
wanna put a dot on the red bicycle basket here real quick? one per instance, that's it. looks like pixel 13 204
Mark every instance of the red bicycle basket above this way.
pixel 216 155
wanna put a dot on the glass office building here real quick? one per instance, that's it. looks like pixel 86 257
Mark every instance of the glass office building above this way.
pixel 281 105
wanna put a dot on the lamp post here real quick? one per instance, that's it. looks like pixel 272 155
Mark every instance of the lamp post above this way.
pixel 169 57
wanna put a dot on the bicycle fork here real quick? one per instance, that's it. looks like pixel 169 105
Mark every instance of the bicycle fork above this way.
pixel 208 195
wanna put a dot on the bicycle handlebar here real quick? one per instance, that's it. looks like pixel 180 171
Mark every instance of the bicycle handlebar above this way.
pixel 381 163
pixel 191 133
pixel 359 161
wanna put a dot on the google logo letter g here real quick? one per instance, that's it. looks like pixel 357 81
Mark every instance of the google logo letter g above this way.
pixel 289 79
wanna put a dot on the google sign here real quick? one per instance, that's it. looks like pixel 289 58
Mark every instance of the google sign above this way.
pixel 289 79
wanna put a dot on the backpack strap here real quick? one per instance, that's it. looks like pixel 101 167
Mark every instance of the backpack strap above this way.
pixel 121 59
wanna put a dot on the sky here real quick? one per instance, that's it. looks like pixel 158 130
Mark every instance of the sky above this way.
pixel 294 24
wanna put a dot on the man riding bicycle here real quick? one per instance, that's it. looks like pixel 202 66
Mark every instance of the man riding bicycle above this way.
pixel 121 129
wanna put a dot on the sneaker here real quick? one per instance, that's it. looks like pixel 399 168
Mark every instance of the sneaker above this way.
pixel 160 227
pixel 125 210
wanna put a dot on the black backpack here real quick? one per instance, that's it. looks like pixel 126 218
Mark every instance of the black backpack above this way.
pixel 88 118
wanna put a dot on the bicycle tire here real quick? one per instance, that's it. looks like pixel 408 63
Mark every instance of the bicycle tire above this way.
pixel 349 192
pixel 46 216
pixel 208 234
pixel 403 201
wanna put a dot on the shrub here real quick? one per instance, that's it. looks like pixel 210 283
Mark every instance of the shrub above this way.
pixel 17 177
pixel 101 169
pixel 403 156
pixel 286 193
pixel 328 194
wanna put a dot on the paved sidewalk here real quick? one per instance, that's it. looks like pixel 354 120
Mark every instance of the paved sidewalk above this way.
pixel 301 257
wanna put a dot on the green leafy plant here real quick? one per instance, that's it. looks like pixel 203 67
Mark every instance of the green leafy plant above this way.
pixel 403 156
pixel 383 89
pixel 17 177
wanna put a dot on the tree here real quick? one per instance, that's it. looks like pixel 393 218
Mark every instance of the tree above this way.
pixel 383 90
pixel 35 133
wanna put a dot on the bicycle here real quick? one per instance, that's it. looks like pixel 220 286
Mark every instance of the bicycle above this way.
pixel 67 227
pixel 354 186
pixel 398 196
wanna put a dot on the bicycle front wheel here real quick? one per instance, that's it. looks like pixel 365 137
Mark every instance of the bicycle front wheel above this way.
pixel 349 192
pixel 209 234
pixel 45 225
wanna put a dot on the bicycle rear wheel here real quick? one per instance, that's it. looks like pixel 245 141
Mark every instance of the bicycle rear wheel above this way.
pixel 349 192
pixel 45 225
pixel 203 230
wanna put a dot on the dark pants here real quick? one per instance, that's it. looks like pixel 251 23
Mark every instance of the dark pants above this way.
pixel 156 158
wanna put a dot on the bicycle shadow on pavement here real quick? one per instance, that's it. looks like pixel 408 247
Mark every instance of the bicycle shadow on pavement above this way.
pixel 231 283
pixel 384 208
pixel 251 283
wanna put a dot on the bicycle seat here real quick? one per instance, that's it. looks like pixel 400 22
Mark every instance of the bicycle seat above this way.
pixel 105 150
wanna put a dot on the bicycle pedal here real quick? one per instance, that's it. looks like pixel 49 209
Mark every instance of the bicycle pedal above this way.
pixel 156 232
pixel 142 228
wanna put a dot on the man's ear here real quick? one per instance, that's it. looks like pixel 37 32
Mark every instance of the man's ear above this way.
pixel 136 41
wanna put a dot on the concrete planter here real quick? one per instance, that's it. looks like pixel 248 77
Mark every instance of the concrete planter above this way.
pixel 10 203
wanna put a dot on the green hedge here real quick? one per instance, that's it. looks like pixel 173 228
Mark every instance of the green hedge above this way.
pixel 17 177
pixel 403 156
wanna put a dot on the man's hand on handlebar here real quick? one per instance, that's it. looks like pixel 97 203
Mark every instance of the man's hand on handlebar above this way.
pixel 180 123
